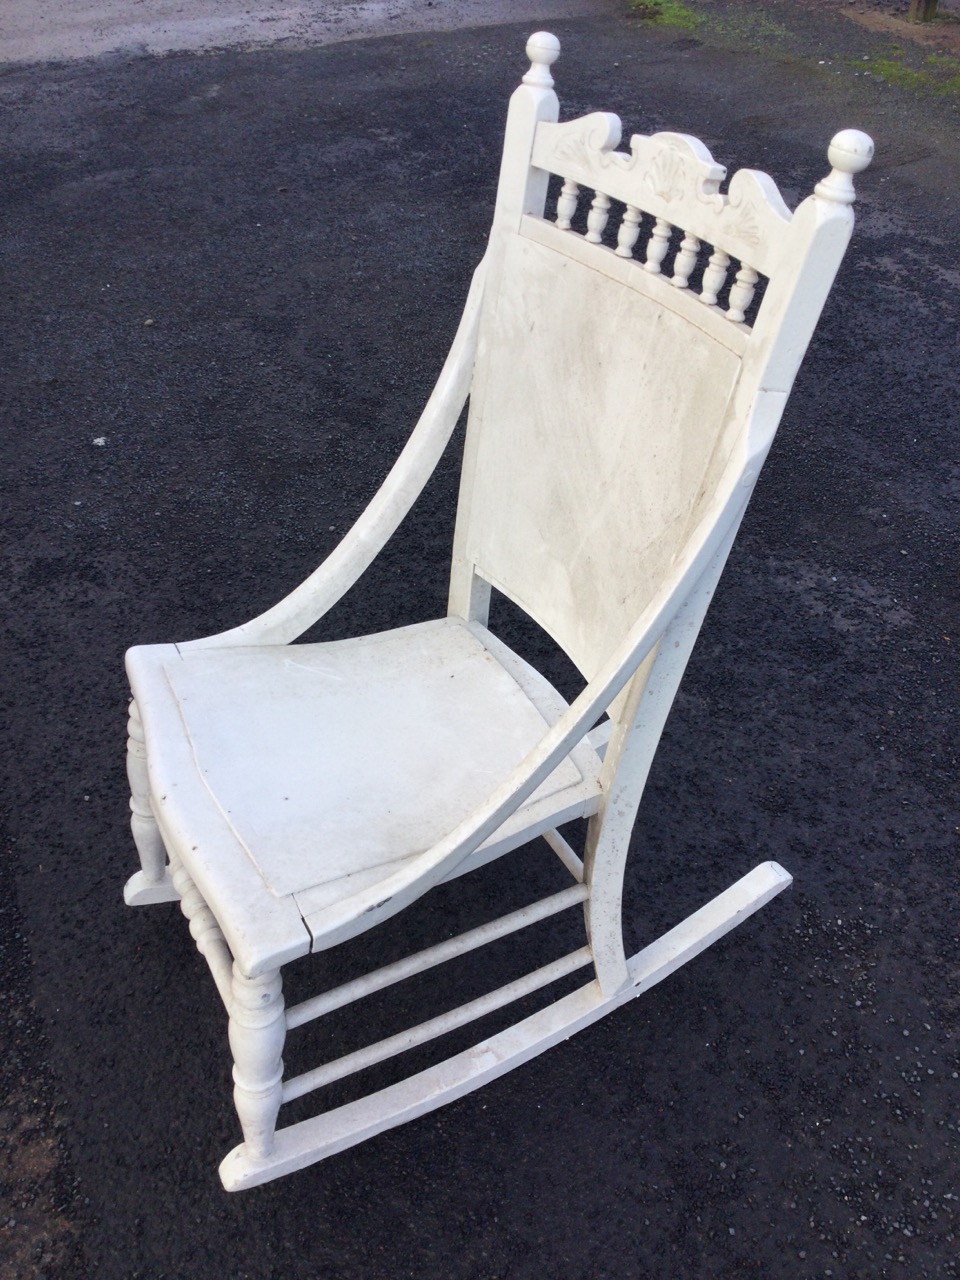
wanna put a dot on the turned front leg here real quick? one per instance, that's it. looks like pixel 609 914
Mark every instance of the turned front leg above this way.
pixel 257 1032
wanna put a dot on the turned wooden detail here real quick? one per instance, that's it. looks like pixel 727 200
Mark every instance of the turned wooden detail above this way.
pixel 686 261
pixel 257 1031
pixel 741 294
pixel 567 204
pixel 146 834
pixel 597 218
pixel 850 152
pixel 675 180
pixel 204 929
pixel 629 231
pixel 714 277
pixel 657 246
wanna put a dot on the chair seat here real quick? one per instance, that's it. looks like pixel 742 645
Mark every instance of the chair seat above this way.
pixel 337 765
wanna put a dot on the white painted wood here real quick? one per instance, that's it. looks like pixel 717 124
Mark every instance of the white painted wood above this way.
pixel 741 294
pixel 262 931
pixel 141 892
pixel 567 204
pixel 850 152
pixel 597 218
pixel 424 1032
pixel 628 232
pixel 204 930
pixel 560 460
pixel 699 931
pixel 619 418
pixel 599 737
pixel 146 833
pixel 674 178
pixel 418 725
pixel 328 819
pixel 325 1135
pixel 686 261
pixel 298 611
pixel 657 246
pixel 521 191
pixel 257 1031
pixel 378 979
pixel 714 277
pixel 637 724
pixel 711 320
pixel 565 852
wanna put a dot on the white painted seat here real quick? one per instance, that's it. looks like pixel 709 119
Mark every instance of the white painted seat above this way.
pixel 621 406
pixel 409 729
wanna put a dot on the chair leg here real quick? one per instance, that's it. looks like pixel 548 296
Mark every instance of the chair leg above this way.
pixel 204 930
pixel 257 1032
pixel 607 841
pixel 152 883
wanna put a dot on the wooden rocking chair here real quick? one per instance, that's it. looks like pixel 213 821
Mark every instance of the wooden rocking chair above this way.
pixel 293 797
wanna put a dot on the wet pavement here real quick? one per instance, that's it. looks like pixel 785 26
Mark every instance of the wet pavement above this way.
pixel 229 280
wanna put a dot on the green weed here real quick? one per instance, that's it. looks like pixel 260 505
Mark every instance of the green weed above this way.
pixel 671 13
pixel 756 30
pixel 940 73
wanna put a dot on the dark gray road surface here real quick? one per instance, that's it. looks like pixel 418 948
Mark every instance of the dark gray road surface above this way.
pixel 299 228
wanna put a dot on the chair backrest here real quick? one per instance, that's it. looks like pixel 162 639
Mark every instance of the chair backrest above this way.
pixel 631 370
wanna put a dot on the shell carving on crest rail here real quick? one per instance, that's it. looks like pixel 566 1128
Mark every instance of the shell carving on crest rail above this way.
pixel 672 181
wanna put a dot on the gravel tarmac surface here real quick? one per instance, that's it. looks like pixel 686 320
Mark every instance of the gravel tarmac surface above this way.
pixel 30 31
pixel 229 279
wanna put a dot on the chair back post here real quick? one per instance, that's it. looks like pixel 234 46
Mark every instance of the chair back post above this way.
pixel 521 189
pixel 812 252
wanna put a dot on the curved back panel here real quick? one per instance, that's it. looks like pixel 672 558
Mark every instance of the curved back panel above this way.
pixel 598 411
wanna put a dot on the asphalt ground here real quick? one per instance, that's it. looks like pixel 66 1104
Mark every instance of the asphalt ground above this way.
pixel 298 227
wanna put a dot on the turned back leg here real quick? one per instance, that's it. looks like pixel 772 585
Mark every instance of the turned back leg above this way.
pixel 152 883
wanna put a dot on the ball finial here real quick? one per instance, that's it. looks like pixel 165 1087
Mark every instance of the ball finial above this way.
pixel 543 49
pixel 850 152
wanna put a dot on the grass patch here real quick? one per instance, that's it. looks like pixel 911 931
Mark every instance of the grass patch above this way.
pixel 939 73
pixel 669 13
pixel 755 30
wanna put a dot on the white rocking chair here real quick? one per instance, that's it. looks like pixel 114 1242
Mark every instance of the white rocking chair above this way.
pixel 295 797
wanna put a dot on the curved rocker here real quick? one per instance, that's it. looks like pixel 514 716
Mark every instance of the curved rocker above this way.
pixel 293 797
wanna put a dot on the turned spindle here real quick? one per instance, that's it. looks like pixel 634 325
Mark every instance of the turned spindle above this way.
pixel 597 218
pixel 658 245
pixel 686 261
pixel 714 277
pixel 741 294
pixel 629 231
pixel 567 204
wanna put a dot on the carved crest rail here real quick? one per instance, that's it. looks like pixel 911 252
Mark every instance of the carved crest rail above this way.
pixel 674 180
